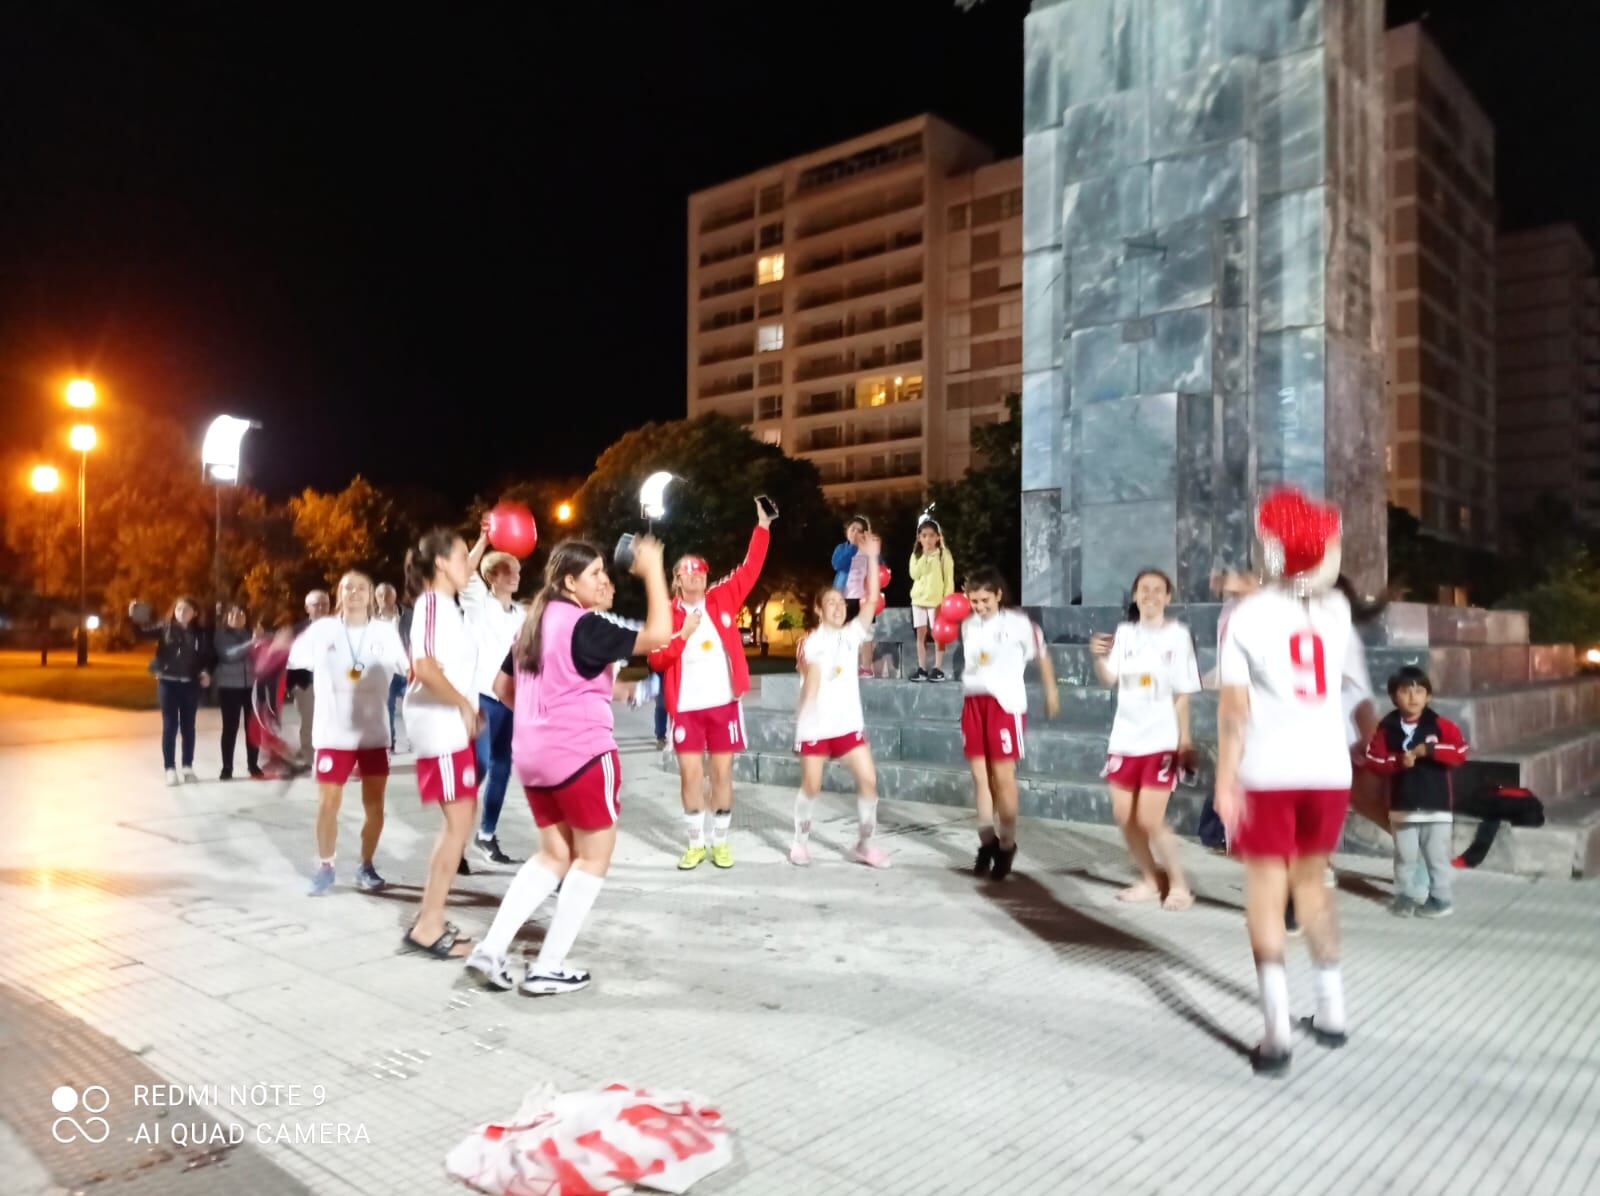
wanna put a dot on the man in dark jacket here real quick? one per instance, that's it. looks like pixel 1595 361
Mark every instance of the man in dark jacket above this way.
pixel 1416 747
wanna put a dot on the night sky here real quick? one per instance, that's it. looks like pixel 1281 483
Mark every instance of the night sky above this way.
pixel 450 247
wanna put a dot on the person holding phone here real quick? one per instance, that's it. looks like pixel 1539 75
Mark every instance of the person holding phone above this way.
pixel 704 674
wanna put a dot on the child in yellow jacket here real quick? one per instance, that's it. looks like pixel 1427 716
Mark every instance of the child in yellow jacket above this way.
pixel 933 578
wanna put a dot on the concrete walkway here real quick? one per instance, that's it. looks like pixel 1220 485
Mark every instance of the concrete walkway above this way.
pixel 905 1031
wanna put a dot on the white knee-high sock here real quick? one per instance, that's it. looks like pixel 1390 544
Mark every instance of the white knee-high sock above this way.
pixel 529 887
pixel 867 815
pixel 695 824
pixel 803 808
pixel 1330 998
pixel 721 823
pixel 577 896
pixel 1274 983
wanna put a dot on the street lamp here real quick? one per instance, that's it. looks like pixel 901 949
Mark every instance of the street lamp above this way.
pixel 45 479
pixel 80 394
pixel 219 464
pixel 82 439
pixel 564 513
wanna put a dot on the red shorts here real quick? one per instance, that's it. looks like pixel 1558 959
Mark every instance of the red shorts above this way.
pixel 1285 823
pixel 1136 774
pixel 448 778
pixel 589 800
pixel 334 765
pixel 717 730
pixel 988 730
pixel 839 745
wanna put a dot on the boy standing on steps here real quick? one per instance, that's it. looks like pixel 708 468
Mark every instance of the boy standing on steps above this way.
pixel 1416 748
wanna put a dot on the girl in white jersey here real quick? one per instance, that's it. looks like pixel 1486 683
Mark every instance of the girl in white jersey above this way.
pixel 996 646
pixel 829 724
pixel 350 655
pixel 442 720
pixel 1283 757
pixel 1150 662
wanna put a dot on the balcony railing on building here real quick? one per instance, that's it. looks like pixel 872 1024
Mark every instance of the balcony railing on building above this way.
pixel 822 439
pixel 728 252
pixel 876 157
pixel 857 323
pixel 731 352
pixel 860 288
pixel 727 286
pixel 852 362
pixel 731 318
pixel 908 465
pixel 727 217
pixel 727 386
pixel 868 207
pixel 877 247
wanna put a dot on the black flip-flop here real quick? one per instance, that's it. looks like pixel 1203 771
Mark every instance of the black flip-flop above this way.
pixel 439 948
pixel 1327 1038
pixel 1264 1063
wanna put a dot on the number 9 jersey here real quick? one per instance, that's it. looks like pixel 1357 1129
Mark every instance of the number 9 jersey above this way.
pixel 1297 656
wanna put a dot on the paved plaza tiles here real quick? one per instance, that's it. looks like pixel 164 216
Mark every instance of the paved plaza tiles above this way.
pixel 905 1031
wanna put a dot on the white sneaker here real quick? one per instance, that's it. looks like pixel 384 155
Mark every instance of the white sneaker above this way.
pixel 1330 879
pixel 490 970
pixel 798 855
pixel 563 980
pixel 172 776
pixel 189 778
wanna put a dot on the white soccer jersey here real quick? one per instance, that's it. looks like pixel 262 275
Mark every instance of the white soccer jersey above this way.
pixel 350 712
pixel 707 679
pixel 494 628
pixel 995 652
pixel 439 630
pixel 1153 666
pixel 836 709
pixel 1295 656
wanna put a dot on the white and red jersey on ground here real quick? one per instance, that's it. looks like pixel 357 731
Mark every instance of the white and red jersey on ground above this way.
pixel 1296 656
pixel 439 630
pixel 582 1143
pixel 835 709
pixel 995 653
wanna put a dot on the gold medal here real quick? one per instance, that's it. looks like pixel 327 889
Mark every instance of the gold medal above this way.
pixel 1146 680
pixel 355 673
pixel 706 644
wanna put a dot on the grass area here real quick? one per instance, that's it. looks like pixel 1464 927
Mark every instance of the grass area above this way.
pixel 115 679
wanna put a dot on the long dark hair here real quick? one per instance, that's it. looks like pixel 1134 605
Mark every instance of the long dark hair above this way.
pixel 1361 609
pixel 567 559
pixel 916 541
pixel 986 577
pixel 1133 606
pixel 421 561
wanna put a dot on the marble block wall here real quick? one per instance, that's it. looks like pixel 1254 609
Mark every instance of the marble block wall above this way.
pixel 1202 264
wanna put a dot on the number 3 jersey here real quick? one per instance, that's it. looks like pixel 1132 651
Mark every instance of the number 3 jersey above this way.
pixel 1297 656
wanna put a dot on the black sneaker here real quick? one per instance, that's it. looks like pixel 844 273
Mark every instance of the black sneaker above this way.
pixel 1003 858
pixel 920 675
pixel 1265 1064
pixel 487 851
pixel 1402 907
pixel 986 853
pixel 1434 908
pixel 462 869
pixel 1328 1038
pixel 936 675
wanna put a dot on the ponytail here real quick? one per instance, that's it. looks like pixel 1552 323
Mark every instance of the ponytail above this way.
pixel 1361 610
pixel 421 560
pixel 567 559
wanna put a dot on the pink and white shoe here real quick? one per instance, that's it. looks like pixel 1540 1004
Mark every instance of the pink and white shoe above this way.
pixel 870 854
pixel 798 855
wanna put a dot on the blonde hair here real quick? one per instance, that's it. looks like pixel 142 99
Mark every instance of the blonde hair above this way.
pixel 493 562
pixel 338 590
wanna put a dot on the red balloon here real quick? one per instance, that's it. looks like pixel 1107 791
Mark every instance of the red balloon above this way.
pixel 511 529
pixel 882 602
pixel 883 577
pixel 955 607
pixel 944 631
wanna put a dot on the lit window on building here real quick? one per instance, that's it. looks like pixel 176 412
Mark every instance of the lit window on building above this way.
pixel 769 338
pixel 1466 519
pixel 770 268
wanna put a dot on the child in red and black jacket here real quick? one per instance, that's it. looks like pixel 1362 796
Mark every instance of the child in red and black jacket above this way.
pixel 1416 748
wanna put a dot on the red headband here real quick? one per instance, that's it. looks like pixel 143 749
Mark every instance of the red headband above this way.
pixel 1295 530
pixel 693 564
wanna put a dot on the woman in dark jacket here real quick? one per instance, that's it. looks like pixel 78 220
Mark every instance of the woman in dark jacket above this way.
pixel 182 666
pixel 233 689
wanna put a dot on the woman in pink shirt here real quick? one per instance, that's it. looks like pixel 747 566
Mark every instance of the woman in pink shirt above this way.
pixel 558 682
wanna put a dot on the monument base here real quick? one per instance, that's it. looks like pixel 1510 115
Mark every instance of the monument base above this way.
pixel 1529 716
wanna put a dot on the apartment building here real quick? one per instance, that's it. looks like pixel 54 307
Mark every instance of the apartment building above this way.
pixel 831 303
pixel 1441 457
pixel 1548 321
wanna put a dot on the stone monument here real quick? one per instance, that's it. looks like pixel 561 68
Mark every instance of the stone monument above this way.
pixel 1203 275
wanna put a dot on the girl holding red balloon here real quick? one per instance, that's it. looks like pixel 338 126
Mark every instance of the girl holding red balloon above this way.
pixel 933 579
pixel 996 645
pixel 829 724
pixel 704 674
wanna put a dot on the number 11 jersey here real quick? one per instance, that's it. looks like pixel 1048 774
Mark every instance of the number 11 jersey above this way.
pixel 1296 656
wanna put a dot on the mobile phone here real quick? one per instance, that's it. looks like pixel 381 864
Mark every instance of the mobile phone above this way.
pixel 623 553
pixel 768 507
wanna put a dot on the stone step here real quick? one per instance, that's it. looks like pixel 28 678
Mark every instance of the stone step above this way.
pixel 1504 718
pixel 1560 765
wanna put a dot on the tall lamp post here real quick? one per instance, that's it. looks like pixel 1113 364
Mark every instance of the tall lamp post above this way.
pixel 44 480
pixel 219 465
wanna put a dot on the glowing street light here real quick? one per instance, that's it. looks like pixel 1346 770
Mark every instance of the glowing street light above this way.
pixel 653 495
pixel 45 479
pixel 219 465
pixel 82 439
pixel 80 393
pixel 92 622
pixel 564 513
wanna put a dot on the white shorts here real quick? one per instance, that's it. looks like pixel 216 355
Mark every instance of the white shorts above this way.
pixel 923 616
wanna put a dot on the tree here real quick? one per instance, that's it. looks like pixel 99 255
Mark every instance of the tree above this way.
pixel 343 531
pixel 1563 607
pixel 982 513
pixel 720 468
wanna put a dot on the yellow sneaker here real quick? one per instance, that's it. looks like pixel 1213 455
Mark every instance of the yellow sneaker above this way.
pixel 722 855
pixel 692 858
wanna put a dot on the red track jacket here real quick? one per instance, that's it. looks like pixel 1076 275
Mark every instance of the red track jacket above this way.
pixel 723 601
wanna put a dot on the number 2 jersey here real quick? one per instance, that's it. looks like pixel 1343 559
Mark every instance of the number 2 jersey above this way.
pixel 1297 656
